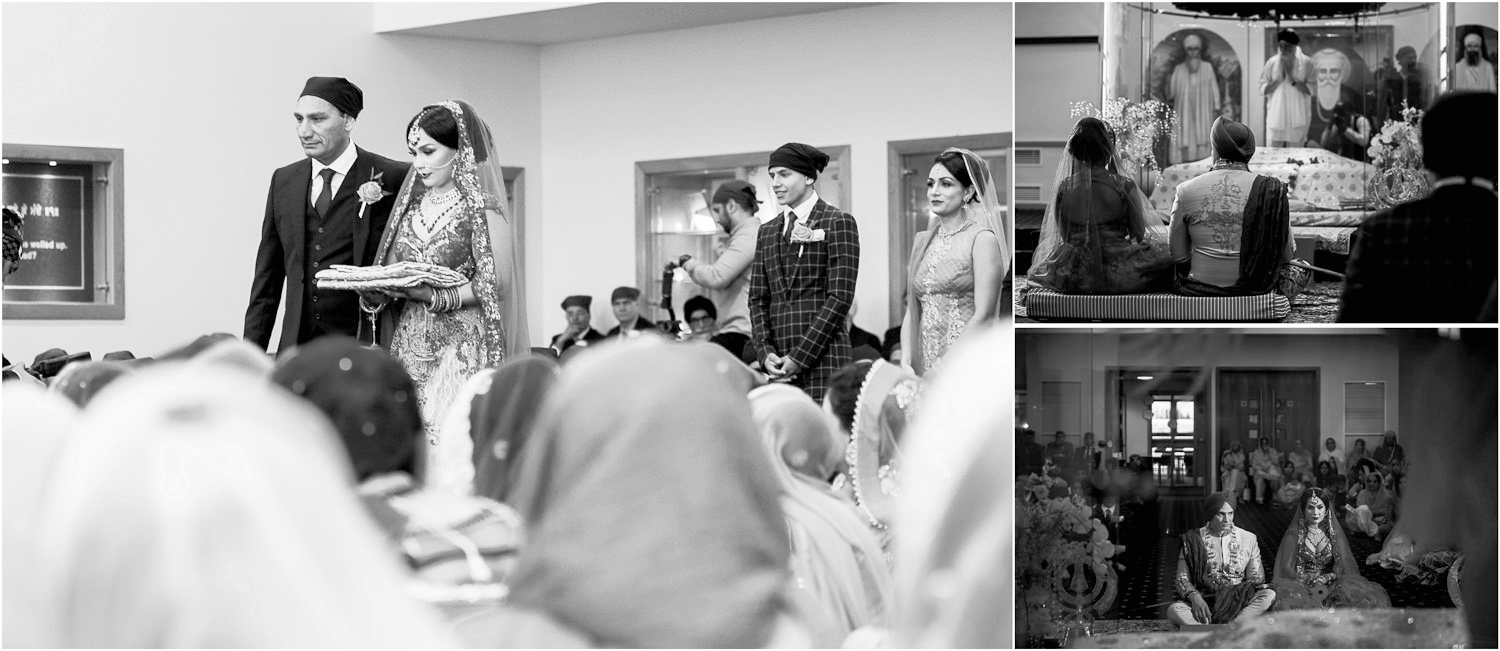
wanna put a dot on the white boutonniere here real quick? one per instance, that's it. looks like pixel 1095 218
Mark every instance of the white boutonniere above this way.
pixel 371 192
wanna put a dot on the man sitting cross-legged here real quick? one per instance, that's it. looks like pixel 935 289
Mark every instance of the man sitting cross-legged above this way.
pixel 1219 574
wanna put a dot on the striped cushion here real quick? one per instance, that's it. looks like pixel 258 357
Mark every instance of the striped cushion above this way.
pixel 1042 303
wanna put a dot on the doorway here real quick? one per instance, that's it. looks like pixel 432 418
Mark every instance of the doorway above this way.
pixel 1280 404
pixel 1163 418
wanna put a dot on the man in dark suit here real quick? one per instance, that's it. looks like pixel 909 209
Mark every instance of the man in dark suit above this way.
pixel 579 332
pixel 802 279
pixel 315 219
pixel 627 307
pixel 1433 260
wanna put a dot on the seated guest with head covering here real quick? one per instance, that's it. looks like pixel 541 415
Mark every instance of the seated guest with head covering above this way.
pixel 702 319
pixel 1440 247
pixel 578 332
pixel 953 559
pixel 835 557
pixel 627 307
pixel 487 427
pixel 205 508
pixel 1374 509
pixel 1314 567
pixel 36 424
pixel 1219 575
pixel 653 515
pixel 1231 230
pixel 461 547
pixel 80 382
pixel 873 402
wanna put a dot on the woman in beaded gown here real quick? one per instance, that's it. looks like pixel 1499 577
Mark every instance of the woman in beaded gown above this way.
pixel 451 212
pixel 958 265
pixel 1314 567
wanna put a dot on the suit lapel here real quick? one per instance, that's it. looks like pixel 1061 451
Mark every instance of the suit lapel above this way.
pixel 361 172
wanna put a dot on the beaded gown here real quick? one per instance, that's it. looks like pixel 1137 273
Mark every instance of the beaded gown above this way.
pixel 945 290
pixel 1316 576
pixel 441 351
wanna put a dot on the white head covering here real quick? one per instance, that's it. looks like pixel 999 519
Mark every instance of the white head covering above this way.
pixel 835 556
pixel 954 585
pixel 36 423
pixel 206 508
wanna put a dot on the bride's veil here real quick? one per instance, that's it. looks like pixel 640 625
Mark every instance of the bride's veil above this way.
pixel 1366 593
pixel 497 277
pixel 1088 180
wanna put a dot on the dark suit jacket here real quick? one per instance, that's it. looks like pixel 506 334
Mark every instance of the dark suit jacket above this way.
pixel 283 239
pixel 641 323
pixel 590 336
pixel 1428 261
pixel 800 294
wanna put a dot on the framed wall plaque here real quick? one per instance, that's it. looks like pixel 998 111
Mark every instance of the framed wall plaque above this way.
pixel 71 202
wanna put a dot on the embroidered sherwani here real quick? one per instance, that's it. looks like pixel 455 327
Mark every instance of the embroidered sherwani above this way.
pixel 1232 559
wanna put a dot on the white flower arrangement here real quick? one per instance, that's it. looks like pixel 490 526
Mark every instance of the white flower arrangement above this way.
pixel 1399 143
pixel 1138 126
pixel 1052 533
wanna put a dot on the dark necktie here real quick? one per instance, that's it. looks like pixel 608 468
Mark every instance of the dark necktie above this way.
pixel 326 196
pixel 791 223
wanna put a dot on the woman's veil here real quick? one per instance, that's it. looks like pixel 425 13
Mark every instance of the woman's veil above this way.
pixel 1087 183
pixel 498 281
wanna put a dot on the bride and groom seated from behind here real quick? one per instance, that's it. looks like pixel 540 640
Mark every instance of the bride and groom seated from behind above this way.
pixel 1230 232
pixel 1220 578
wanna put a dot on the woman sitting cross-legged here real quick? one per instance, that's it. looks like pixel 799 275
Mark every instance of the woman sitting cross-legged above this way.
pixel 1093 238
pixel 1231 229
pixel 1314 567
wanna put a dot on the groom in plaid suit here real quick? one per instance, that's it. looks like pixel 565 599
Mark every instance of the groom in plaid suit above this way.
pixel 802 279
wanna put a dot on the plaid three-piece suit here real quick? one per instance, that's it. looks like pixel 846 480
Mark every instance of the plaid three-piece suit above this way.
pixel 800 293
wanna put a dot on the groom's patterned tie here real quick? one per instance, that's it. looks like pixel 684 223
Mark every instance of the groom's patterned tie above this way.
pixel 326 196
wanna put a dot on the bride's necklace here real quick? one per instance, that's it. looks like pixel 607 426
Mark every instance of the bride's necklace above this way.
pixel 435 208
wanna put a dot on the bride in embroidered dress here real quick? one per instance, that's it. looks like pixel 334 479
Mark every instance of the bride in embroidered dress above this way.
pixel 451 212
pixel 1314 567
pixel 958 265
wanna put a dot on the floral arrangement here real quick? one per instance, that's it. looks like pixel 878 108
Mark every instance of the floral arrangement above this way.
pixel 1053 532
pixel 1396 153
pixel 1138 126
pixel 1399 143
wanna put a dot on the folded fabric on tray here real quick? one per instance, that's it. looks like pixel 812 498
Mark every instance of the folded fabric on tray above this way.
pixel 399 275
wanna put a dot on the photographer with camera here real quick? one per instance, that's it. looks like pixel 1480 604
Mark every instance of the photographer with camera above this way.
pixel 728 278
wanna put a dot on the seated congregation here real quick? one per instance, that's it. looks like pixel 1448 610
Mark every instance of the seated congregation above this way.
pixel 216 496
pixel 1233 237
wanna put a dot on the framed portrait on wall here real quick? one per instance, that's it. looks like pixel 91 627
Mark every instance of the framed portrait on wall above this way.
pixel 1201 76
pixel 72 252
pixel 1345 61
pixel 1473 59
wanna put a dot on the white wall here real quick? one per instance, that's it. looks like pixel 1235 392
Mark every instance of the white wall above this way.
pixel 859 77
pixel 200 98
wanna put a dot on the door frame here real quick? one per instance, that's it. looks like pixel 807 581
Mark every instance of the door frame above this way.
pixel 900 243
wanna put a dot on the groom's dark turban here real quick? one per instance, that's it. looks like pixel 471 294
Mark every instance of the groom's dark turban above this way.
pixel 802 159
pixel 1213 503
pixel 1232 140
pixel 338 91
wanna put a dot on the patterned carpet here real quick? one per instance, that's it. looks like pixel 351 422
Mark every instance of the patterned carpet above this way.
pixel 1143 589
